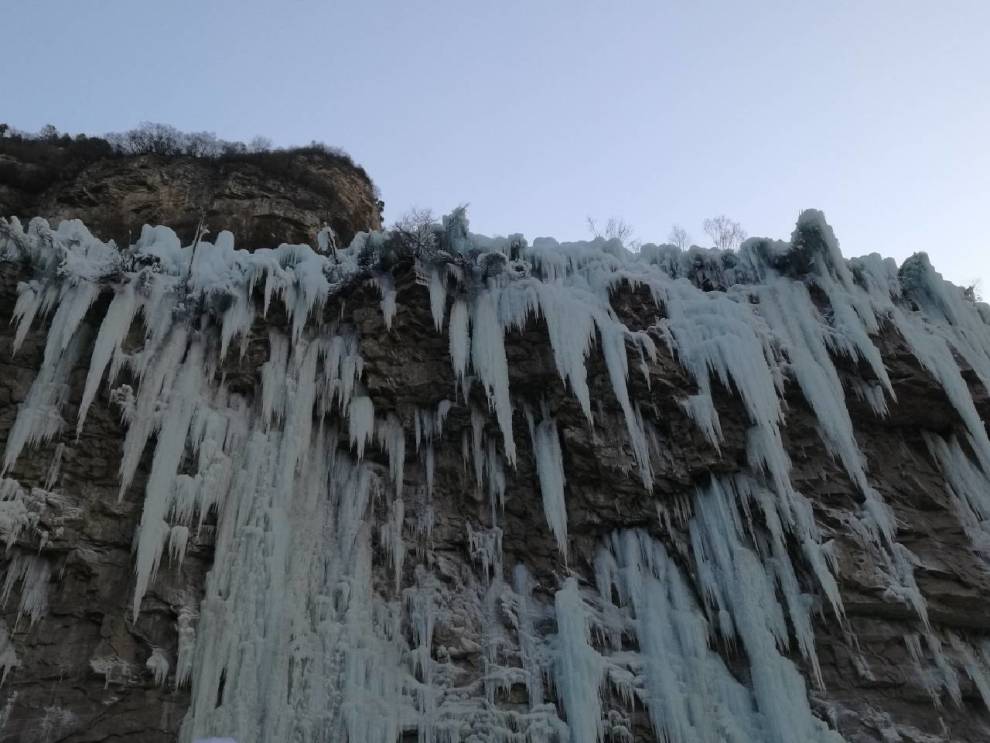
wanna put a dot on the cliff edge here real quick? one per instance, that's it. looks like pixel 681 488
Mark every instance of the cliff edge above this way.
pixel 265 198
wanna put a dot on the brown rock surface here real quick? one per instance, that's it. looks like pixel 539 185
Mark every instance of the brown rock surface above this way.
pixel 263 198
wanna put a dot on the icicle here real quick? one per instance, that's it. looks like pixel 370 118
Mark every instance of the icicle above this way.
pixel 529 647
pixel 438 296
pixel 714 336
pixel 392 437
pixel 485 546
pixel 977 667
pixel 73 305
pixel 550 470
pixel 614 349
pixel 686 686
pixel 392 538
pixel 460 338
pixel 386 287
pixel 153 531
pixel 33 573
pixel 578 669
pixel 968 488
pixel 740 591
pixel 701 409
pixel 158 664
pixel 178 539
pixel 55 467
pixel 361 423
pixel 8 656
pixel 237 320
pixel 488 360
pixel 154 389
pixel 39 417
pixel 14 514
pixel 187 646
pixel 30 297
pixel 113 330
pixel 793 317
pixel 495 475
pixel 429 464
pixel 342 370
pixel 571 325
pixel 478 445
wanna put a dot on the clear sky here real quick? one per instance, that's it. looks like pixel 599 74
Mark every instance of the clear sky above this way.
pixel 541 113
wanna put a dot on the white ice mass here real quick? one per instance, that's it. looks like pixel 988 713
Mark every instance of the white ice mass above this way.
pixel 294 639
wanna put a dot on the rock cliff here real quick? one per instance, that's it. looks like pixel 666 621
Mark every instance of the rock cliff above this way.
pixel 475 489
pixel 265 198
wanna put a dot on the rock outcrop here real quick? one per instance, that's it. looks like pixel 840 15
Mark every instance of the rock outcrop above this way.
pixel 264 198
pixel 472 575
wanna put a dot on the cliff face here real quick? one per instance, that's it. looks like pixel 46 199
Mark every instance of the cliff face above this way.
pixel 264 198
pixel 386 513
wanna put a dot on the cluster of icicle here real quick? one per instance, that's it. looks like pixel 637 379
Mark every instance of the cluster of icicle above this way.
pixel 293 627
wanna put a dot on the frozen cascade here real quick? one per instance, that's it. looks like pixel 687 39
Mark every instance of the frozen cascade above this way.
pixel 39 417
pixel 488 360
pixel 740 590
pixel 33 573
pixel 578 671
pixel 8 654
pixel 969 488
pixel 113 329
pixel 361 422
pixel 386 286
pixel 460 338
pixel 153 529
pixel 438 297
pixel 297 637
pixel 550 471
pixel 690 694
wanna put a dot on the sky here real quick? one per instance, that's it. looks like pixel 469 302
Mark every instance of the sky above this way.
pixel 542 113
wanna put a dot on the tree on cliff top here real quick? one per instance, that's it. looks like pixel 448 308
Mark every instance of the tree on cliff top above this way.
pixel 725 233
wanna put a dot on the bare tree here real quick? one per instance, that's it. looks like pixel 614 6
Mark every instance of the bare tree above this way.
pixel 200 144
pixel 973 290
pixel 260 144
pixel 416 228
pixel 725 233
pixel 679 237
pixel 615 229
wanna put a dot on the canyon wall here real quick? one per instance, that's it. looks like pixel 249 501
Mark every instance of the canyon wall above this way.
pixel 474 489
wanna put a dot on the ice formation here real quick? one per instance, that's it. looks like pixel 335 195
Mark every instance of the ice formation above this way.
pixel 294 639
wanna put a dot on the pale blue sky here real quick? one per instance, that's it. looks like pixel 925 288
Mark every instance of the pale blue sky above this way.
pixel 541 113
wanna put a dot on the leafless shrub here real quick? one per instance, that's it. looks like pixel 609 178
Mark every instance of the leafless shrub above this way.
pixel 615 229
pixel 679 237
pixel 725 233
pixel 415 227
